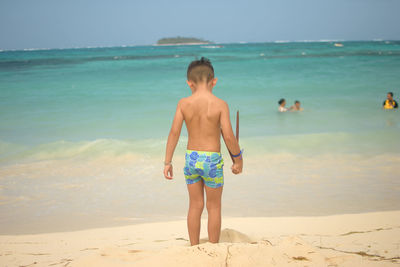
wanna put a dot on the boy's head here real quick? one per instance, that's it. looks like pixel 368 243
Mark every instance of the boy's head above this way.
pixel 390 96
pixel 200 71
pixel 282 102
pixel 297 103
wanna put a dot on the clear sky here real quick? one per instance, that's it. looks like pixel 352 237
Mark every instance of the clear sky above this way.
pixel 80 23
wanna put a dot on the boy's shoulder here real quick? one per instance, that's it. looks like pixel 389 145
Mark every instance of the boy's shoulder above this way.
pixel 183 101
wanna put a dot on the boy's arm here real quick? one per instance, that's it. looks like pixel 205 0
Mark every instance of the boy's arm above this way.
pixel 230 140
pixel 173 138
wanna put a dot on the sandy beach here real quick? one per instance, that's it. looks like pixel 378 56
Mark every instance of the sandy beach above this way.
pixel 367 239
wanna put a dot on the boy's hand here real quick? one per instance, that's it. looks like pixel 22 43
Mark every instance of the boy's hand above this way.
pixel 168 172
pixel 237 167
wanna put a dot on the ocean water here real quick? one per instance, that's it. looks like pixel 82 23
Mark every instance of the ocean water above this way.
pixel 83 132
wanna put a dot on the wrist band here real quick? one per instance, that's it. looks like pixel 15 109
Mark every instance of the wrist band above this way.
pixel 240 153
pixel 167 163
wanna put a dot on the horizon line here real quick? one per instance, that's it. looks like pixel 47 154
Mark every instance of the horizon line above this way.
pixel 211 43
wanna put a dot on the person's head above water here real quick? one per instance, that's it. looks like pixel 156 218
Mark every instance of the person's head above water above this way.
pixel 200 71
pixel 282 102
pixel 390 96
pixel 297 104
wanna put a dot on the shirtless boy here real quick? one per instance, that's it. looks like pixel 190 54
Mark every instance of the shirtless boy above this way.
pixel 205 116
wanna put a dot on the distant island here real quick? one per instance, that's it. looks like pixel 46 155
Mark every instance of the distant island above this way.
pixel 182 41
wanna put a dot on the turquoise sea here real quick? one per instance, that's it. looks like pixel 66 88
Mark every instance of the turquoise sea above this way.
pixel 83 132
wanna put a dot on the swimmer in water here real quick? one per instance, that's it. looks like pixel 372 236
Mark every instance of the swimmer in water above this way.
pixel 282 103
pixel 390 103
pixel 296 106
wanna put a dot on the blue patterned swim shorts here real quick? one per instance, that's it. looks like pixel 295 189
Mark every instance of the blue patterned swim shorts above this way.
pixel 204 165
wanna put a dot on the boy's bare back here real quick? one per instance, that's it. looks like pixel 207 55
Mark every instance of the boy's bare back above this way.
pixel 202 115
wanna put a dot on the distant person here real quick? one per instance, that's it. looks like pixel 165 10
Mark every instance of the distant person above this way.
pixel 206 117
pixel 390 103
pixel 296 106
pixel 282 104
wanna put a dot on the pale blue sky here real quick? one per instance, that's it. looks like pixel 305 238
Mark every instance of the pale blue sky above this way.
pixel 79 23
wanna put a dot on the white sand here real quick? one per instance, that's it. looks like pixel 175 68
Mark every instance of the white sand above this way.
pixel 369 239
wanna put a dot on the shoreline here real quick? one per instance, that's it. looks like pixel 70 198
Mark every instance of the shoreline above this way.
pixel 316 188
pixel 362 239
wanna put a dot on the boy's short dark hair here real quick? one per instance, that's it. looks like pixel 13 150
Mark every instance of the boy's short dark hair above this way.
pixel 391 94
pixel 297 101
pixel 200 70
pixel 281 101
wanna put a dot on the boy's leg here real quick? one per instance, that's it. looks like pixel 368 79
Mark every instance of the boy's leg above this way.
pixel 214 213
pixel 196 205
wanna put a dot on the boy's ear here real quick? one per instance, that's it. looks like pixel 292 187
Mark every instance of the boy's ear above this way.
pixel 214 81
pixel 190 83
